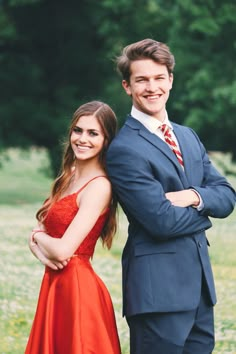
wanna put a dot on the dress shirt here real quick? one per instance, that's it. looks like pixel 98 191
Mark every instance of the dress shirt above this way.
pixel 153 124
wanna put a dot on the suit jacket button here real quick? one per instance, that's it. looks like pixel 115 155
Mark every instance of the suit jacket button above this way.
pixel 199 244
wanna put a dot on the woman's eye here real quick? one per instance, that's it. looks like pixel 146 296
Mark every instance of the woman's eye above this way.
pixel 93 133
pixel 77 130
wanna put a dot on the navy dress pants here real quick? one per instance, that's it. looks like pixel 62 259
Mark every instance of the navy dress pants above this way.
pixel 188 332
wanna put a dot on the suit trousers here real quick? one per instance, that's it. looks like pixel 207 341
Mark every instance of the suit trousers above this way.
pixel 187 332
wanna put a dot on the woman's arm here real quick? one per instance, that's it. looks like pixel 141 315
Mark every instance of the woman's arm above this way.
pixel 53 264
pixel 92 202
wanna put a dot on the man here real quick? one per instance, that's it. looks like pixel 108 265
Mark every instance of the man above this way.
pixel 168 189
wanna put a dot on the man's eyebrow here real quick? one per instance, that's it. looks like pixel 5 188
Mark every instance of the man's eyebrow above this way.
pixel 140 76
pixel 144 76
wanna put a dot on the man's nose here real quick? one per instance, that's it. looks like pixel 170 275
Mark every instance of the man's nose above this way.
pixel 151 86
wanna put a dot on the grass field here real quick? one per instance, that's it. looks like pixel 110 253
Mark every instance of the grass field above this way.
pixel 23 187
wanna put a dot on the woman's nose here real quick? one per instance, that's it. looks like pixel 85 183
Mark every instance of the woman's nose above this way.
pixel 82 138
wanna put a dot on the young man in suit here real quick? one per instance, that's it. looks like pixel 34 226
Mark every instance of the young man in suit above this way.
pixel 168 189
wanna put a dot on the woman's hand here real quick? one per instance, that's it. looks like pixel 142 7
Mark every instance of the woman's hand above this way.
pixel 37 252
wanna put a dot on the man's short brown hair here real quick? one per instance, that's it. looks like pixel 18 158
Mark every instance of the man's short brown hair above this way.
pixel 145 49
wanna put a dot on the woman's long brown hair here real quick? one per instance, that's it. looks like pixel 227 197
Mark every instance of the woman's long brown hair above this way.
pixel 108 122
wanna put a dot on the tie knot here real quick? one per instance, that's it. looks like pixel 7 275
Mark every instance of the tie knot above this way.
pixel 165 129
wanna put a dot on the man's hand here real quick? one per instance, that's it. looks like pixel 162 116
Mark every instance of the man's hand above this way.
pixel 183 198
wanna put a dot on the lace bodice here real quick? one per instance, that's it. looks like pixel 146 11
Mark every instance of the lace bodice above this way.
pixel 60 216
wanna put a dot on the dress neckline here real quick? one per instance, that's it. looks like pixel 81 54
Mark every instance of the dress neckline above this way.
pixel 81 188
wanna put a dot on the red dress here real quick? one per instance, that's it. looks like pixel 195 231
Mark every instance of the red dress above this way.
pixel 74 314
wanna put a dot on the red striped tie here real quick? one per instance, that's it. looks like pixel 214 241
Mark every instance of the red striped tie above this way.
pixel 166 131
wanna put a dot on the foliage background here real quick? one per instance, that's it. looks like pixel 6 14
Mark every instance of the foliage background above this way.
pixel 55 55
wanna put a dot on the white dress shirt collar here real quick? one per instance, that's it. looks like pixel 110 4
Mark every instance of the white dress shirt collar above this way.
pixel 151 123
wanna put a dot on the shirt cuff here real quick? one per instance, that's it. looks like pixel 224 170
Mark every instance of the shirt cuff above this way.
pixel 200 206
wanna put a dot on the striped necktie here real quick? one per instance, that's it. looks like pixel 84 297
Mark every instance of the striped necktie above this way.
pixel 168 138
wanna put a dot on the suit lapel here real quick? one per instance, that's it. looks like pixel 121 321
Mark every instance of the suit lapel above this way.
pixel 159 144
pixel 186 150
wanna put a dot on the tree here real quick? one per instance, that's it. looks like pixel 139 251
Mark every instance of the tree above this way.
pixel 203 39
pixel 56 55
pixel 53 61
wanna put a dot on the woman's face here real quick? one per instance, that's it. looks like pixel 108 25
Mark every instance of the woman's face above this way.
pixel 87 138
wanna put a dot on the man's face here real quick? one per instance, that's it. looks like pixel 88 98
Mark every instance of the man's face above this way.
pixel 149 87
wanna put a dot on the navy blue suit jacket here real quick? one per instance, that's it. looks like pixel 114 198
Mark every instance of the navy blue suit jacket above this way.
pixel 166 253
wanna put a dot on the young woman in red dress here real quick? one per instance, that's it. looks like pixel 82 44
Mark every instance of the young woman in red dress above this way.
pixel 75 313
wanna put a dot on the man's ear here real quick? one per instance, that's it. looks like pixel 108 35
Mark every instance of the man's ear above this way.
pixel 171 77
pixel 126 86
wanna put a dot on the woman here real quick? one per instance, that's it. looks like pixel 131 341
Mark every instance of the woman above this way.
pixel 75 313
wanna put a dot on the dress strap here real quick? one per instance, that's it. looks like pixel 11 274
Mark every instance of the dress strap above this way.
pixel 89 182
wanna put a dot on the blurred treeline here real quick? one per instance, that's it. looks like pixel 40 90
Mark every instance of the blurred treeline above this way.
pixel 55 55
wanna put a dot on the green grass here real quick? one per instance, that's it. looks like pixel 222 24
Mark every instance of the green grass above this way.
pixel 23 177
pixel 23 187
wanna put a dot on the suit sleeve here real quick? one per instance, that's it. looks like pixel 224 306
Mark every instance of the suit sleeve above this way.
pixel 143 198
pixel 217 194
